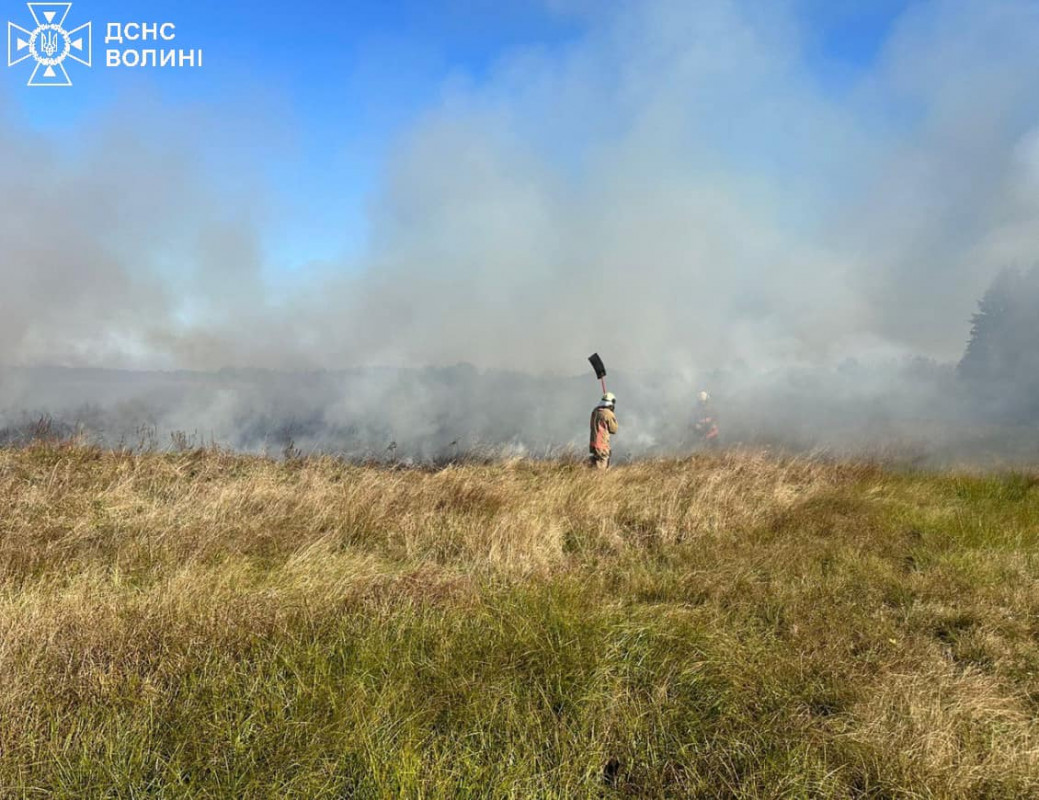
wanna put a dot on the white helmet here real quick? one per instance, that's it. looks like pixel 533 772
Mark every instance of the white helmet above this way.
pixel 704 396
pixel 609 399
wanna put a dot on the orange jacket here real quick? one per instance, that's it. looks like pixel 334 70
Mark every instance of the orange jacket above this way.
pixel 603 423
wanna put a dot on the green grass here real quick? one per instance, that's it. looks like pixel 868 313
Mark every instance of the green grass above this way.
pixel 206 625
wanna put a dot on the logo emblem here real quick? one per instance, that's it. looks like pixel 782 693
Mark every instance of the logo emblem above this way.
pixel 49 44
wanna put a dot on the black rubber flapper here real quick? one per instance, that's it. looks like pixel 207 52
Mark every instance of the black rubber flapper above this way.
pixel 597 365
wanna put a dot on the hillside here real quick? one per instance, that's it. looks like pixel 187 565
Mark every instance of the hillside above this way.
pixel 213 625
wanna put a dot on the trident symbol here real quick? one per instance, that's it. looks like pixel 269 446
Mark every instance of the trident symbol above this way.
pixel 50 43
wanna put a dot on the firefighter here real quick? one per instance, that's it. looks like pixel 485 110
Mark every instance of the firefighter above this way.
pixel 603 425
pixel 706 426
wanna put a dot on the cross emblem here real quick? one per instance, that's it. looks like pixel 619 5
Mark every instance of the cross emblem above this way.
pixel 49 44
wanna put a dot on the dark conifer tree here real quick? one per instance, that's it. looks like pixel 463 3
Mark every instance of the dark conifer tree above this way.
pixel 1001 363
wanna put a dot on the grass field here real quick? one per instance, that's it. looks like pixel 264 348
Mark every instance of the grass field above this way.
pixel 210 625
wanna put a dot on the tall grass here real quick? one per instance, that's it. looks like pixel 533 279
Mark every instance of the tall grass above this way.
pixel 209 625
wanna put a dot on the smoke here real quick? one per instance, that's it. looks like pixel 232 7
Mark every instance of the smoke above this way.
pixel 679 188
pixel 684 187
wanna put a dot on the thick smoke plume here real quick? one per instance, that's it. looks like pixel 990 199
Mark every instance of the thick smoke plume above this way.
pixel 689 188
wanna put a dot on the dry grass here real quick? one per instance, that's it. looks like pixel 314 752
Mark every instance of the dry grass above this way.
pixel 205 624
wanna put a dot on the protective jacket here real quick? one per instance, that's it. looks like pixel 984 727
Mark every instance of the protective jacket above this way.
pixel 706 423
pixel 603 424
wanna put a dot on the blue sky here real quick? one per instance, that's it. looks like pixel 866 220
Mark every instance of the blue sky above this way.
pixel 330 85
